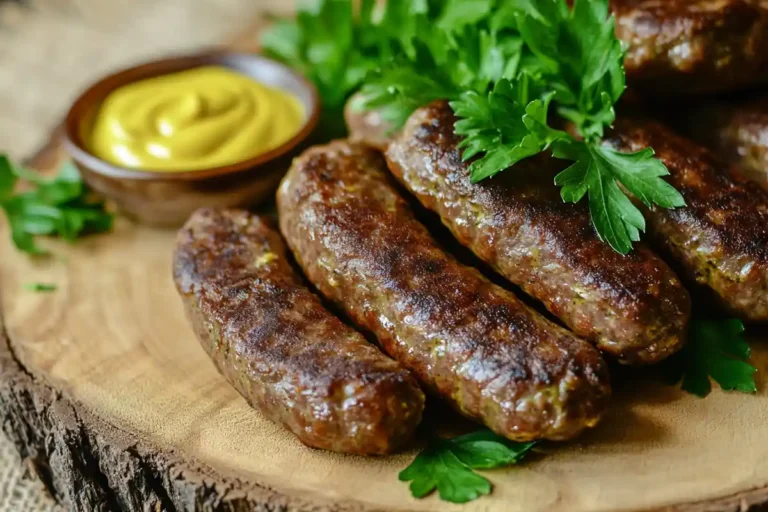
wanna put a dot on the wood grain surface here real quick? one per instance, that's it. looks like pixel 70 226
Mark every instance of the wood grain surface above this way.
pixel 108 397
pixel 104 386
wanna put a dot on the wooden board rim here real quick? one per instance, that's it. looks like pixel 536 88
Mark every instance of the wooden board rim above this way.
pixel 79 422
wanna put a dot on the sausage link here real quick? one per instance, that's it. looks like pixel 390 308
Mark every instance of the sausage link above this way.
pixel 633 307
pixel 737 130
pixel 693 46
pixel 367 126
pixel 468 340
pixel 720 239
pixel 280 348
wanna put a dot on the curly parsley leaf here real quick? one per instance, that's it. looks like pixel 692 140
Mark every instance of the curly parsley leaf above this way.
pixel 599 171
pixel 446 465
pixel 716 350
pixel 581 57
pixel 442 66
pixel 395 92
pixel 512 120
pixel 437 467
pixel 480 57
pixel 578 64
pixel 337 43
pixel 60 206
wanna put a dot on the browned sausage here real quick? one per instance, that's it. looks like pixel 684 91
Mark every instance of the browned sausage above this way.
pixel 720 239
pixel 735 129
pixel 693 46
pixel 277 345
pixel 470 341
pixel 366 125
pixel 634 307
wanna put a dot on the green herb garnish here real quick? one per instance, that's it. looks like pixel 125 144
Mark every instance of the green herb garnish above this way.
pixel 448 60
pixel 503 65
pixel 501 80
pixel 716 350
pixel 336 43
pixel 59 206
pixel 40 287
pixel 447 464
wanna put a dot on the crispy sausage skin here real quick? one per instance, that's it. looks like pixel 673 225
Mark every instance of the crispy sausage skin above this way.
pixel 735 129
pixel 280 348
pixel 634 307
pixel 693 46
pixel 468 340
pixel 720 239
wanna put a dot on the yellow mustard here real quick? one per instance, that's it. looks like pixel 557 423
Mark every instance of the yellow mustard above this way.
pixel 191 120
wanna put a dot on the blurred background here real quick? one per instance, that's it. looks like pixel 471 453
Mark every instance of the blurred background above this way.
pixel 52 49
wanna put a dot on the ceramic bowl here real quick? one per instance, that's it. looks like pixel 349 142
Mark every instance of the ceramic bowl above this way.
pixel 168 198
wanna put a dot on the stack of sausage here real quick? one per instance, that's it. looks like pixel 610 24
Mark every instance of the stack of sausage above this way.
pixel 451 331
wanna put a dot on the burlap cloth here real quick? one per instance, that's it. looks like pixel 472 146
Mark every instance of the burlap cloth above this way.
pixel 49 51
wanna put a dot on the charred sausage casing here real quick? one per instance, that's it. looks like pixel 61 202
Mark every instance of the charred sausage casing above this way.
pixel 280 348
pixel 633 307
pixel 720 239
pixel 468 340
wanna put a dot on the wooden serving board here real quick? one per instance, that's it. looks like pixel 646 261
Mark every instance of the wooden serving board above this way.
pixel 113 404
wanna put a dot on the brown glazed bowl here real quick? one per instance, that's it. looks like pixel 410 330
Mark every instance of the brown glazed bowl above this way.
pixel 168 198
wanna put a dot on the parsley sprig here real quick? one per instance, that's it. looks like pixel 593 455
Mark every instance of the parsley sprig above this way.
pixel 447 464
pixel 60 206
pixel 716 350
pixel 505 126
pixel 554 55
pixel 337 43
pixel 581 61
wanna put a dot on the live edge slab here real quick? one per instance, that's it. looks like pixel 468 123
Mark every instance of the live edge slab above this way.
pixel 111 402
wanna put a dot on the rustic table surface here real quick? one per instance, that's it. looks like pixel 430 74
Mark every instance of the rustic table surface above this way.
pixel 49 51
pixel 656 448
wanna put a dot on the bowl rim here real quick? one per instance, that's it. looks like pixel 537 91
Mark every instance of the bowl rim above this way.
pixel 75 145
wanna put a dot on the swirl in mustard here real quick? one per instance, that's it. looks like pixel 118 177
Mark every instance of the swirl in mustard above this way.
pixel 198 119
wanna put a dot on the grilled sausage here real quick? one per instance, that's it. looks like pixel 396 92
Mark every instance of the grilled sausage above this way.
pixel 736 130
pixel 686 46
pixel 468 340
pixel 366 126
pixel 280 348
pixel 633 307
pixel 720 239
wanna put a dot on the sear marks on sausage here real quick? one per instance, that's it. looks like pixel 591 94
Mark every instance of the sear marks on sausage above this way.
pixel 633 307
pixel 737 130
pixel 468 340
pixel 720 239
pixel 280 348
pixel 686 46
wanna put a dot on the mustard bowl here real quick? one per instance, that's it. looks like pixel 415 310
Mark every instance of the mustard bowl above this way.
pixel 166 199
